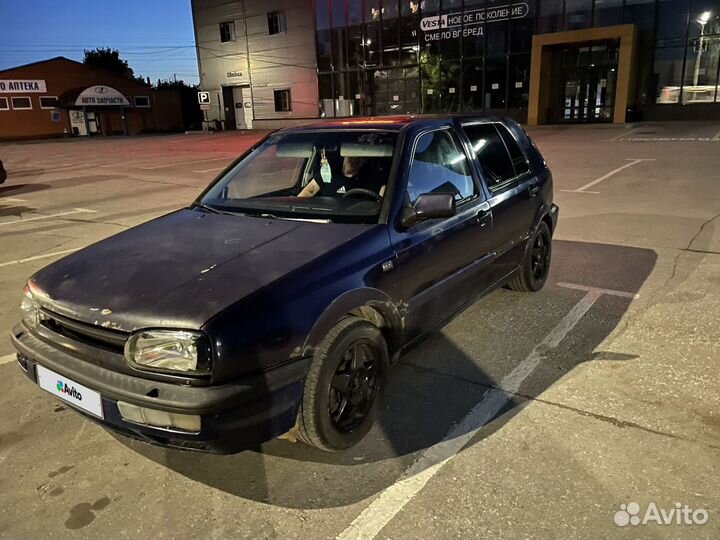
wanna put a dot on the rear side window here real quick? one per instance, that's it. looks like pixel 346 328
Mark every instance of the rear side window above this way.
pixel 516 154
pixel 440 166
pixel 491 153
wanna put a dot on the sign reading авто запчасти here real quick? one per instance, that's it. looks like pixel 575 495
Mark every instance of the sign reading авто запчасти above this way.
pixel 469 23
pixel 8 86
pixel 103 96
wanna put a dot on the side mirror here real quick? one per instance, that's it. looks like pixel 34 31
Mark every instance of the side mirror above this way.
pixel 429 206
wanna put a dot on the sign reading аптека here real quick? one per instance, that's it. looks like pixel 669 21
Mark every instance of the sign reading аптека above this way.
pixel 8 86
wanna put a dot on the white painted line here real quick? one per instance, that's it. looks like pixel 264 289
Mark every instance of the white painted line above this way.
pixel 611 292
pixel 182 163
pixel 7 359
pixel 210 170
pixel 36 257
pixel 11 200
pixel 49 216
pixel 611 173
pixel 386 506
pixel 716 137
pixel 622 135
pixel 576 191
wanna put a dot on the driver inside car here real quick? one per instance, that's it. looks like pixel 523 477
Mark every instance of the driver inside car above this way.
pixel 354 176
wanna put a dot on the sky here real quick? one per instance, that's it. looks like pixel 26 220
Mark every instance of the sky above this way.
pixel 154 36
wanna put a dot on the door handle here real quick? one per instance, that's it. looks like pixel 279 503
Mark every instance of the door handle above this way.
pixel 482 217
pixel 534 190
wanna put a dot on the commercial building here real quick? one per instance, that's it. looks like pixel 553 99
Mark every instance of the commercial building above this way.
pixel 59 97
pixel 273 62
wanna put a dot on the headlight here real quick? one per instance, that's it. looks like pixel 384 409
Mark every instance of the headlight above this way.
pixel 29 308
pixel 169 351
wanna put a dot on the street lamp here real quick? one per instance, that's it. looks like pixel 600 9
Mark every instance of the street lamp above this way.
pixel 701 21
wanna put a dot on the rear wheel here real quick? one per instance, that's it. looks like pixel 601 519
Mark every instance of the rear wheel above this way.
pixel 347 374
pixel 536 265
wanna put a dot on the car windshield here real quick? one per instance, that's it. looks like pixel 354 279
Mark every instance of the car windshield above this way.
pixel 322 175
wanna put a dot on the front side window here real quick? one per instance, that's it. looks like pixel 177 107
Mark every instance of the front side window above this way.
pixel 326 175
pixel 491 153
pixel 4 104
pixel 276 22
pixel 440 166
pixel 21 103
pixel 227 31
pixel 282 100
pixel 142 101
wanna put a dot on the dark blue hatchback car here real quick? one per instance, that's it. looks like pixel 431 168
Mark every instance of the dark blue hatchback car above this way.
pixel 279 299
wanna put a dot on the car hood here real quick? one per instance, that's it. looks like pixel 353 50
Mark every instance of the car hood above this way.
pixel 180 270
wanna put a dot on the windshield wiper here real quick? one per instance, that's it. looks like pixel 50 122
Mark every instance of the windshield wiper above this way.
pixel 214 210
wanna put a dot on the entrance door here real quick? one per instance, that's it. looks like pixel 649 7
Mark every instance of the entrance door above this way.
pixel 586 77
pixel 243 107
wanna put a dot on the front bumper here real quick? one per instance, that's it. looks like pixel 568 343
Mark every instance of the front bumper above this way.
pixel 234 416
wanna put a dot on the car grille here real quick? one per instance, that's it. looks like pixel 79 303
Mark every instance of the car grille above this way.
pixel 112 340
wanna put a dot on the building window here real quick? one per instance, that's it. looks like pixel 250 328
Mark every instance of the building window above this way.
pixel 49 102
pixel 4 104
pixel 142 101
pixel 282 100
pixel 276 22
pixel 227 31
pixel 21 103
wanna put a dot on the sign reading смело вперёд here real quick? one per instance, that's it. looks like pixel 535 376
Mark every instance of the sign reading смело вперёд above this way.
pixel 469 23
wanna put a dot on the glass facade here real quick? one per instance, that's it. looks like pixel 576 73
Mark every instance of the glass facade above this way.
pixel 378 57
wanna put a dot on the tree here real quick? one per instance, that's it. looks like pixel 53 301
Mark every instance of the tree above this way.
pixel 109 59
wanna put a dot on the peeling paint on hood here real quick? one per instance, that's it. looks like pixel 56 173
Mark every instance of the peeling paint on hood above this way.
pixel 179 270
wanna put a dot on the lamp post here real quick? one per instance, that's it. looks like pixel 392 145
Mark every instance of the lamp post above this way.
pixel 701 21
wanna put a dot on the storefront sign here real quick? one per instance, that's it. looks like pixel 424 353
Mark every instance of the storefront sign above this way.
pixel 101 96
pixel 8 86
pixel 469 23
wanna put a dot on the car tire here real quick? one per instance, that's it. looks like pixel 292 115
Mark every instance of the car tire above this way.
pixel 348 344
pixel 535 267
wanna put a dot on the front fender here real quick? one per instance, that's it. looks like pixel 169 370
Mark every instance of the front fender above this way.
pixel 354 300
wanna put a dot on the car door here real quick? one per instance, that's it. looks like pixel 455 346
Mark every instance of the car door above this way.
pixel 440 262
pixel 512 187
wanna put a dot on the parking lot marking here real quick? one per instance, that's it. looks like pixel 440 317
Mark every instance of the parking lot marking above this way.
pixel 182 163
pixel 12 200
pixel 7 359
pixel 716 137
pixel 608 175
pixel 611 292
pixel 210 170
pixel 394 498
pixel 49 216
pixel 576 191
pixel 36 257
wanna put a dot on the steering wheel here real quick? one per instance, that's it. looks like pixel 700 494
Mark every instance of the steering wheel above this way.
pixel 362 192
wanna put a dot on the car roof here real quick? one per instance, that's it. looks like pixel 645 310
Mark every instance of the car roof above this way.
pixel 390 123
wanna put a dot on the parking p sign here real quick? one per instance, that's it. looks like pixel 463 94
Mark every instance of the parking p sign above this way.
pixel 203 97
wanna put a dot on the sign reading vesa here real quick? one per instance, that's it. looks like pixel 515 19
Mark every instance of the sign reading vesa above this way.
pixel 36 86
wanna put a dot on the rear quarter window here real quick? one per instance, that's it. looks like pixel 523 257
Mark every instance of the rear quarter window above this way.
pixel 491 153
pixel 517 156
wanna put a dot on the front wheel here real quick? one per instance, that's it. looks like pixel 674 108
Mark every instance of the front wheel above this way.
pixel 347 374
pixel 536 264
